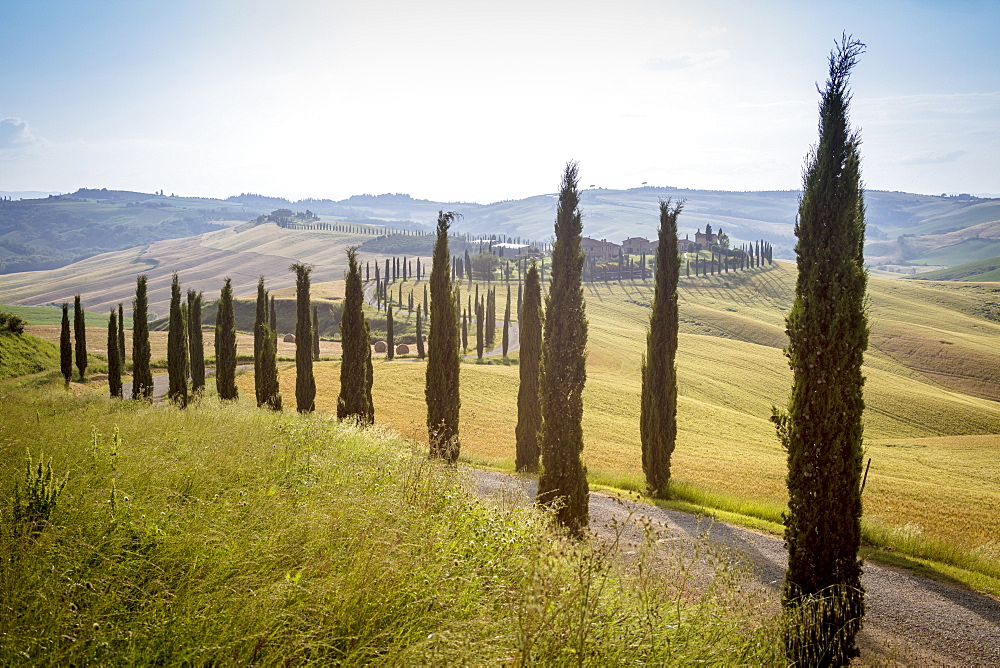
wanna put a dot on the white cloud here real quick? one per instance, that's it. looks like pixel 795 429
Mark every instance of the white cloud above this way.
pixel 15 138
pixel 687 60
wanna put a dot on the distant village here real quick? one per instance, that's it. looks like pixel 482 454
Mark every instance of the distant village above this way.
pixel 602 250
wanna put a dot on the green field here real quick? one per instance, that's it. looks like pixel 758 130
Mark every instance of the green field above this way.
pixel 982 270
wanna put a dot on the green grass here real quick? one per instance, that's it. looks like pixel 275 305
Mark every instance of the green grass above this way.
pixel 23 354
pixel 50 315
pixel 225 534
pixel 981 270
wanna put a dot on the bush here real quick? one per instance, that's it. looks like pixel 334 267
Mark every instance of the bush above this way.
pixel 12 323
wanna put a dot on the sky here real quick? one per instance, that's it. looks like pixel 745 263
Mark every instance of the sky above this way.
pixel 471 101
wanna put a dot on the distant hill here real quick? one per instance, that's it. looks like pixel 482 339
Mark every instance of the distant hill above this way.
pixel 981 271
pixel 904 229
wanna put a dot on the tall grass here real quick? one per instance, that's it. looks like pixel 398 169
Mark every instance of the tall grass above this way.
pixel 224 534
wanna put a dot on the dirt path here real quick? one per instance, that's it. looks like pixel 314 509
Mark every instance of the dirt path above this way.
pixel 909 619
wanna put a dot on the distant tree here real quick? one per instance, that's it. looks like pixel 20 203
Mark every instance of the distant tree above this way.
pixel 315 333
pixel 305 383
pixel 142 376
pixel 196 343
pixel 441 391
pixel 65 346
pixel 177 345
pixel 355 401
pixel 491 318
pixel 389 338
pixel 506 324
pixel 529 415
pixel 425 300
pixel 420 336
pixel 114 361
pixel 822 429
pixel 563 483
pixel 225 345
pixel 80 334
pixel 121 338
pixel 260 332
pixel 273 316
pixel 480 318
pixel 519 298
pixel 658 411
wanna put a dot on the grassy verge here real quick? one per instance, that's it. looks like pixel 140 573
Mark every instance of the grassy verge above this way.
pixel 225 534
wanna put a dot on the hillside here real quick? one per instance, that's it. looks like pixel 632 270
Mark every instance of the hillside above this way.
pixel 983 270
pixel 22 354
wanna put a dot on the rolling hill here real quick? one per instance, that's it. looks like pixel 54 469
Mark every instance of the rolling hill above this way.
pixel 982 270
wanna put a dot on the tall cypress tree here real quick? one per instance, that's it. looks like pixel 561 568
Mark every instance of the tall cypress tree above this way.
pixel 529 414
pixel 658 412
pixel 177 360
pixel 305 383
pixel 260 332
pixel 441 389
pixel 390 343
pixel 142 375
pixel 822 429
pixel 114 360
pixel 65 346
pixel 196 344
pixel 465 330
pixel 420 334
pixel 480 317
pixel 121 338
pixel 563 483
pixel 80 334
pixel 506 325
pixel 355 402
pixel 315 330
pixel 225 345
pixel 273 317
pixel 491 318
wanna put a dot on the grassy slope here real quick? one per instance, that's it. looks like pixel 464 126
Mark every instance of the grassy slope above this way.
pixel 934 444
pixel 22 354
pixel 982 270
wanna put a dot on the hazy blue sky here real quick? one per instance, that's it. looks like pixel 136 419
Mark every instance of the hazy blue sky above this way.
pixel 482 101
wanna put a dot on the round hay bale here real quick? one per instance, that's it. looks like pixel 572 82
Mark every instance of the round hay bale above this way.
pixel 289 338
pixel 380 347
pixel 402 349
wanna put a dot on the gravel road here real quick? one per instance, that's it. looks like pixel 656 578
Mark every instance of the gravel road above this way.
pixel 909 619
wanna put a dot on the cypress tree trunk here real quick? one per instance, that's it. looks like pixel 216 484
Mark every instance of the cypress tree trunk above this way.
pixel 658 412
pixel 529 414
pixel 177 348
pixel 196 344
pixel 563 483
pixel 80 333
pixel 354 402
pixel 441 389
pixel 65 346
pixel 225 345
pixel 822 430
pixel 390 343
pixel 114 361
pixel 305 383
pixel 506 325
pixel 121 338
pixel 315 336
pixel 420 336
pixel 260 334
pixel 142 376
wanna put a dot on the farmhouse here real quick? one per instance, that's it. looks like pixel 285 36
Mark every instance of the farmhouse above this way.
pixel 638 246
pixel 602 250
pixel 707 237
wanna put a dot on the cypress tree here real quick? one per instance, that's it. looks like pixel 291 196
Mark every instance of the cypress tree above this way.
pixel 529 415
pixel 441 389
pixel 658 413
pixel 114 361
pixel 315 333
pixel 506 325
pixel 563 483
pixel 259 334
pixel 390 351
pixel 822 428
pixel 177 334
pixel 142 376
pixel 355 401
pixel 305 383
pixel 491 318
pixel 80 334
pixel 121 338
pixel 465 330
pixel 65 346
pixel 274 318
pixel 519 298
pixel 225 345
pixel 420 336
pixel 479 328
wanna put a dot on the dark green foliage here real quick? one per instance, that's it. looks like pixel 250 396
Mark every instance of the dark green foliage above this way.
pixel 225 345
pixel 273 318
pixel 259 333
pixel 465 330
pixel 114 360
pixel 196 344
pixel 441 389
pixel 822 429
pixel 390 343
pixel 563 483
pixel 420 335
pixel 177 344
pixel 121 338
pixel 80 336
pixel 480 317
pixel 142 376
pixel 65 346
pixel 658 412
pixel 506 324
pixel 315 333
pixel 491 318
pixel 305 382
pixel 355 399
pixel 529 415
